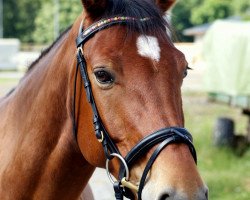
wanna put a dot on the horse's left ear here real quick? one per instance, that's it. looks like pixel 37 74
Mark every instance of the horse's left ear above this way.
pixel 94 8
pixel 164 5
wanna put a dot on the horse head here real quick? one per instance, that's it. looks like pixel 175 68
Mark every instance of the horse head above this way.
pixel 133 74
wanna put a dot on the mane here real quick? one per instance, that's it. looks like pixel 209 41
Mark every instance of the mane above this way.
pixel 44 52
pixel 138 9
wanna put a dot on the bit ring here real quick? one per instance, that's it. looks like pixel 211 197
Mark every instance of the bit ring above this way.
pixel 113 180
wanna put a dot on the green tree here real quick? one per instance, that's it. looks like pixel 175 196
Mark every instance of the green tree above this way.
pixel 69 10
pixel 44 22
pixel 210 10
pixel 242 8
pixel 188 13
pixel 19 18
pixel 32 21
pixel 181 15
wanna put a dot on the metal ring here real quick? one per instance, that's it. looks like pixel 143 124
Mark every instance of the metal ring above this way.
pixel 112 180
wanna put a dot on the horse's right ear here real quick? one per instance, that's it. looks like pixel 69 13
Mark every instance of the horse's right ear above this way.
pixel 164 5
pixel 94 8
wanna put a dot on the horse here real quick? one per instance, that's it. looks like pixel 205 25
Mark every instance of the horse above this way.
pixel 124 70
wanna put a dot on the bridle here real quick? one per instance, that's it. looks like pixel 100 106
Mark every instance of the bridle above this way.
pixel 163 137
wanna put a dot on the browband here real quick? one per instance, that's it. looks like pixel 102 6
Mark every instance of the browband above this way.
pixel 102 24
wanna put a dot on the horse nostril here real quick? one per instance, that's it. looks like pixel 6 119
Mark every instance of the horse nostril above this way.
pixel 164 197
pixel 206 194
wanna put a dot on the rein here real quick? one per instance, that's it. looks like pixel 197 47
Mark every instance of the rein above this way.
pixel 163 137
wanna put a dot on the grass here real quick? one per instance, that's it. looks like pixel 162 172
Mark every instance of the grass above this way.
pixel 8 81
pixel 226 174
pixel 6 84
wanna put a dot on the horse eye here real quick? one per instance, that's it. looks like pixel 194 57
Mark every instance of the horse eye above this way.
pixel 186 71
pixel 104 77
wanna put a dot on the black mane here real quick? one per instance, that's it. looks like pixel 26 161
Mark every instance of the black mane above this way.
pixel 44 52
pixel 138 9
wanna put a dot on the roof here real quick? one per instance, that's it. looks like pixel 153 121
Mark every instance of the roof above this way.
pixel 197 30
pixel 202 29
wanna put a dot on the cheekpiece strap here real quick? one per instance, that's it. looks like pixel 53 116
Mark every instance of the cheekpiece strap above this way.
pixel 100 131
pixel 83 36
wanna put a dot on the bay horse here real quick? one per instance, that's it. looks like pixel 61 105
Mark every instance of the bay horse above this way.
pixel 128 74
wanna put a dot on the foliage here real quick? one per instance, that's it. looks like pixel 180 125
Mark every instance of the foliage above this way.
pixel 44 31
pixel 210 10
pixel 242 8
pixel 69 10
pixel 188 13
pixel 181 15
pixel 33 21
pixel 45 26
pixel 18 18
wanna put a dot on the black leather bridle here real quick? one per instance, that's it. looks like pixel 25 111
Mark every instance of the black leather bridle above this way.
pixel 163 137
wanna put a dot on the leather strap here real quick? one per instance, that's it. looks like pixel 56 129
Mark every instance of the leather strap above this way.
pixel 100 131
pixel 118 191
pixel 103 24
pixel 172 139
pixel 83 37
pixel 164 136
pixel 150 163
pixel 148 142
pixel 155 138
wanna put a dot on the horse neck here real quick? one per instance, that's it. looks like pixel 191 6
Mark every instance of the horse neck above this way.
pixel 38 131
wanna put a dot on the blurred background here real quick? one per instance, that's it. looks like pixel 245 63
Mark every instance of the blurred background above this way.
pixel 215 38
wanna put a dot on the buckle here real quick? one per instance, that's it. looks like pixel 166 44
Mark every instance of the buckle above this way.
pixel 129 185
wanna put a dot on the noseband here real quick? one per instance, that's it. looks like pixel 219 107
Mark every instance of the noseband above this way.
pixel 163 137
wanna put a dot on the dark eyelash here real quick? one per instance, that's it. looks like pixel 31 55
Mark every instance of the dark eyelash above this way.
pixel 189 68
pixel 186 71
